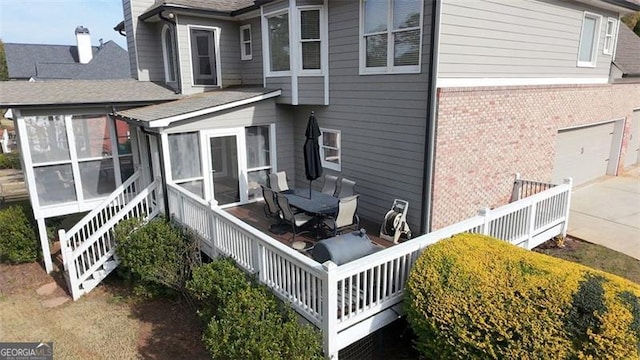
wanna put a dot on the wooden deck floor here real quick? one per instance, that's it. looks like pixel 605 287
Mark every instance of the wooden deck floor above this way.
pixel 253 214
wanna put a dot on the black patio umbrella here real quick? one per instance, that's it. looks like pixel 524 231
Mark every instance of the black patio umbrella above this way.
pixel 312 164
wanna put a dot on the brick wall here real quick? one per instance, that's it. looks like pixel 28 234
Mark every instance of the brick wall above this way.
pixel 486 135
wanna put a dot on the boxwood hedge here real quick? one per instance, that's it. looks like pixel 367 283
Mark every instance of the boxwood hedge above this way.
pixel 477 297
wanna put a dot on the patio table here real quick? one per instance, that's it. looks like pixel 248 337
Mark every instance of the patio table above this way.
pixel 319 203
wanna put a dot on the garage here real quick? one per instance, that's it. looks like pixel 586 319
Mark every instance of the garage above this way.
pixel 632 155
pixel 584 153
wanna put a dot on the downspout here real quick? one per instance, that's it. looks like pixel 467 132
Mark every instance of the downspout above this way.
pixel 171 21
pixel 432 115
pixel 163 178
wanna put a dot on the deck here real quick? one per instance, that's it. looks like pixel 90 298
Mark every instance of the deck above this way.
pixel 253 215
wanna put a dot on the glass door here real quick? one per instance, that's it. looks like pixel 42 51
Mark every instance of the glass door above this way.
pixel 225 169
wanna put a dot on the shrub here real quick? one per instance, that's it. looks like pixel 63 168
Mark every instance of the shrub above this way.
pixel 10 161
pixel 18 242
pixel 477 297
pixel 155 252
pixel 247 321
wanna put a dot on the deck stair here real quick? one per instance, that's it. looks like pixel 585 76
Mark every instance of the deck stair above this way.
pixel 88 249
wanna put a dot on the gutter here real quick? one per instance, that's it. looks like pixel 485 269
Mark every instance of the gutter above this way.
pixel 432 115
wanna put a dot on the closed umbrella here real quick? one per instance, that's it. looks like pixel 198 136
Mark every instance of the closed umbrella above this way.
pixel 312 164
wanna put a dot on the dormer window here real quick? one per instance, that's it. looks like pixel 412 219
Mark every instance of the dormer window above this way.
pixel 169 54
pixel 204 56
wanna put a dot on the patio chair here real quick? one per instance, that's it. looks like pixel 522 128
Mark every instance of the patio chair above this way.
pixel 330 184
pixel 347 188
pixel 346 217
pixel 278 182
pixel 271 209
pixel 295 220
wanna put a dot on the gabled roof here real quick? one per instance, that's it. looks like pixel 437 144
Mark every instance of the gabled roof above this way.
pixel 164 114
pixel 81 92
pixel 628 52
pixel 25 61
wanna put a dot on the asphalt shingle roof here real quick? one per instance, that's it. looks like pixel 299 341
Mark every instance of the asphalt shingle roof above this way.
pixel 45 62
pixel 225 6
pixel 193 103
pixel 628 51
pixel 61 92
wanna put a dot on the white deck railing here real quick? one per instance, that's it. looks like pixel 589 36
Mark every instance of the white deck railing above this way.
pixel 339 299
pixel 90 245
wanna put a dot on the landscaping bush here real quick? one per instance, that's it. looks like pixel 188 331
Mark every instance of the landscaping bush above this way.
pixel 155 252
pixel 18 242
pixel 477 297
pixel 247 321
pixel 10 161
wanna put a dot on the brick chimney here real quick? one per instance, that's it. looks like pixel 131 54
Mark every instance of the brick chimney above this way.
pixel 83 40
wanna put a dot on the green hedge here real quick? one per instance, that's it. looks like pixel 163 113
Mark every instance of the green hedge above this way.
pixel 246 321
pixel 10 161
pixel 477 297
pixel 18 242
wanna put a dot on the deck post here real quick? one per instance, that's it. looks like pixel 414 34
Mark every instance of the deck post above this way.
pixel 330 311
pixel 517 187
pixel 565 226
pixel 484 212
pixel 44 242
pixel 533 209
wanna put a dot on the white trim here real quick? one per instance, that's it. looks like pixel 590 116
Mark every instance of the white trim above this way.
pixel 612 36
pixel 265 52
pixel 324 47
pixel 390 68
pixel 167 31
pixel 167 121
pixel 73 156
pixel 479 82
pixel 597 123
pixel 596 41
pixel 299 40
pixel 328 164
pixel 216 44
pixel 243 42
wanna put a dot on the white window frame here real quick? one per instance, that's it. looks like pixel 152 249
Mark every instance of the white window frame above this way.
pixel 596 42
pixel 390 68
pixel 216 43
pixel 328 164
pixel 322 40
pixel 266 45
pixel 610 38
pixel 170 74
pixel 243 42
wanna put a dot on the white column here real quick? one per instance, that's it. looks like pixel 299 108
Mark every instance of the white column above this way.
pixel 44 242
pixel 330 311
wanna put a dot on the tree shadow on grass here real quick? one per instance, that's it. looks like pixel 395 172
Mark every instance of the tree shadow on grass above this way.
pixel 169 328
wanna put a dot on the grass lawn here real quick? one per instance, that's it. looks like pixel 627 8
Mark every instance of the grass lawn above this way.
pixel 597 257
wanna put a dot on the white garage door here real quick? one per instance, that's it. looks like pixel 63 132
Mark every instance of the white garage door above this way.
pixel 632 155
pixel 583 153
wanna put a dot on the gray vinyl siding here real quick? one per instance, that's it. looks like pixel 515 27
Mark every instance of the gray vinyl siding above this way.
pixel 145 51
pixel 382 119
pixel 311 90
pixel 283 83
pixel 229 52
pixel 261 113
pixel 252 70
pixel 516 39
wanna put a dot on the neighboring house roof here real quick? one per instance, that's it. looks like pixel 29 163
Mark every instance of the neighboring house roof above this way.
pixel 195 105
pixel 67 92
pixel 44 62
pixel 628 52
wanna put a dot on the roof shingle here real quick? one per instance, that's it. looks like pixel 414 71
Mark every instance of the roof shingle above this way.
pixel 628 51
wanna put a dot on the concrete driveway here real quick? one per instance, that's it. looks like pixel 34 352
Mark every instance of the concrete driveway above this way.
pixel 607 212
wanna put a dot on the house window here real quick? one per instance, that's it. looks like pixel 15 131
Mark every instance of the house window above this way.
pixel 310 42
pixel 259 163
pixel 245 42
pixel 610 36
pixel 391 36
pixel 186 168
pixel 278 30
pixel 204 56
pixel 168 52
pixel 587 51
pixel 330 150
pixel 92 136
